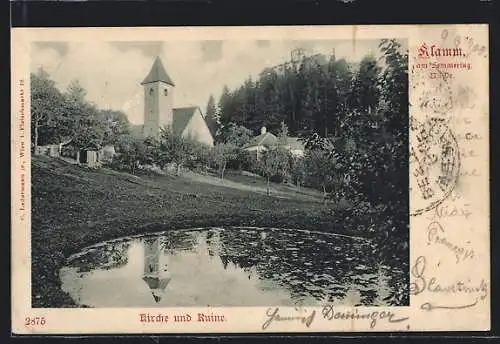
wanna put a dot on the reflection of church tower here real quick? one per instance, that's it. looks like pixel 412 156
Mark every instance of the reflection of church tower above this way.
pixel 155 275
pixel 214 243
pixel 158 99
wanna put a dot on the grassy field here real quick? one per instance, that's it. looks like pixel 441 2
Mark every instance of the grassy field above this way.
pixel 73 207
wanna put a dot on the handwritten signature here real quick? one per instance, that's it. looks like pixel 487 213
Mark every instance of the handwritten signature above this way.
pixel 436 235
pixel 423 283
pixel 329 313
pixel 274 316
pixel 443 211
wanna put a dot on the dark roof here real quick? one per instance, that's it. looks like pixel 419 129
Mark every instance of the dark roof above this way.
pixel 156 282
pixel 182 116
pixel 157 73
pixel 157 286
pixel 266 140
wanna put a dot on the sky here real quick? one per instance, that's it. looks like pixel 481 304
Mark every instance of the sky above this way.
pixel 111 72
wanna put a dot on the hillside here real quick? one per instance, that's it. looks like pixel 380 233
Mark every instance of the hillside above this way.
pixel 73 207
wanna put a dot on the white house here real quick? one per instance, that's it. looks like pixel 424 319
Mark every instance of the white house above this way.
pixel 265 140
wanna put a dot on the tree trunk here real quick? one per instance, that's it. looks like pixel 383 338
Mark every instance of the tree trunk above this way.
pixel 268 187
pixel 325 114
pixel 324 194
pixel 178 170
pixel 222 172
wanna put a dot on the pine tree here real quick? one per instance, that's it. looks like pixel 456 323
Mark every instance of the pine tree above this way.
pixel 365 93
pixel 225 105
pixel 210 116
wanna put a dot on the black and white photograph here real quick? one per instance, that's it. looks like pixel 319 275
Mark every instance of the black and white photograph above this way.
pixel 219 173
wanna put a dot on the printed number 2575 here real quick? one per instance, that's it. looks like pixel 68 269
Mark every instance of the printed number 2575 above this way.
pixel 34 321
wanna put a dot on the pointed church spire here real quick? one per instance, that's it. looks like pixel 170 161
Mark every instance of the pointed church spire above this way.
pixel 157 298
pixel 157 73
pixel 157 285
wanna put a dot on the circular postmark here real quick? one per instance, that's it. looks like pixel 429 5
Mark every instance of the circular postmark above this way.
pixel 433 97
pixel 437 100
pixel 434 164
pixel 431 90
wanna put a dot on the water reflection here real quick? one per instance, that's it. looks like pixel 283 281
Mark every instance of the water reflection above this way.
pixel 155 273
pixel 233 267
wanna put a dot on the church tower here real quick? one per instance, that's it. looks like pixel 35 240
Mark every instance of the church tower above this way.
pixel 158 99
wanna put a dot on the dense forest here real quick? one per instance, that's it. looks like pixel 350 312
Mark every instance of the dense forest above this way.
pixel 314 94
pixel 356 115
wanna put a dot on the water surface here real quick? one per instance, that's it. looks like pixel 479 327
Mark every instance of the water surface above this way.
pixel 228 267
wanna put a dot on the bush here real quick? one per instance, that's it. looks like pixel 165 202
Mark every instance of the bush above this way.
pixel 199 157
pixel 274 165
pixel 240 160
pixel 250 163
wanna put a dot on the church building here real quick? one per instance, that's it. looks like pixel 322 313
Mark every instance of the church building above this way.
pixel 188 122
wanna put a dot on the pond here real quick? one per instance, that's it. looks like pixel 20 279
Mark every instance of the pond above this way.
pixel 228 267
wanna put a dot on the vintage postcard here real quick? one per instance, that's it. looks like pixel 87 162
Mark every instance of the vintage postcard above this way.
pixel 250 179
